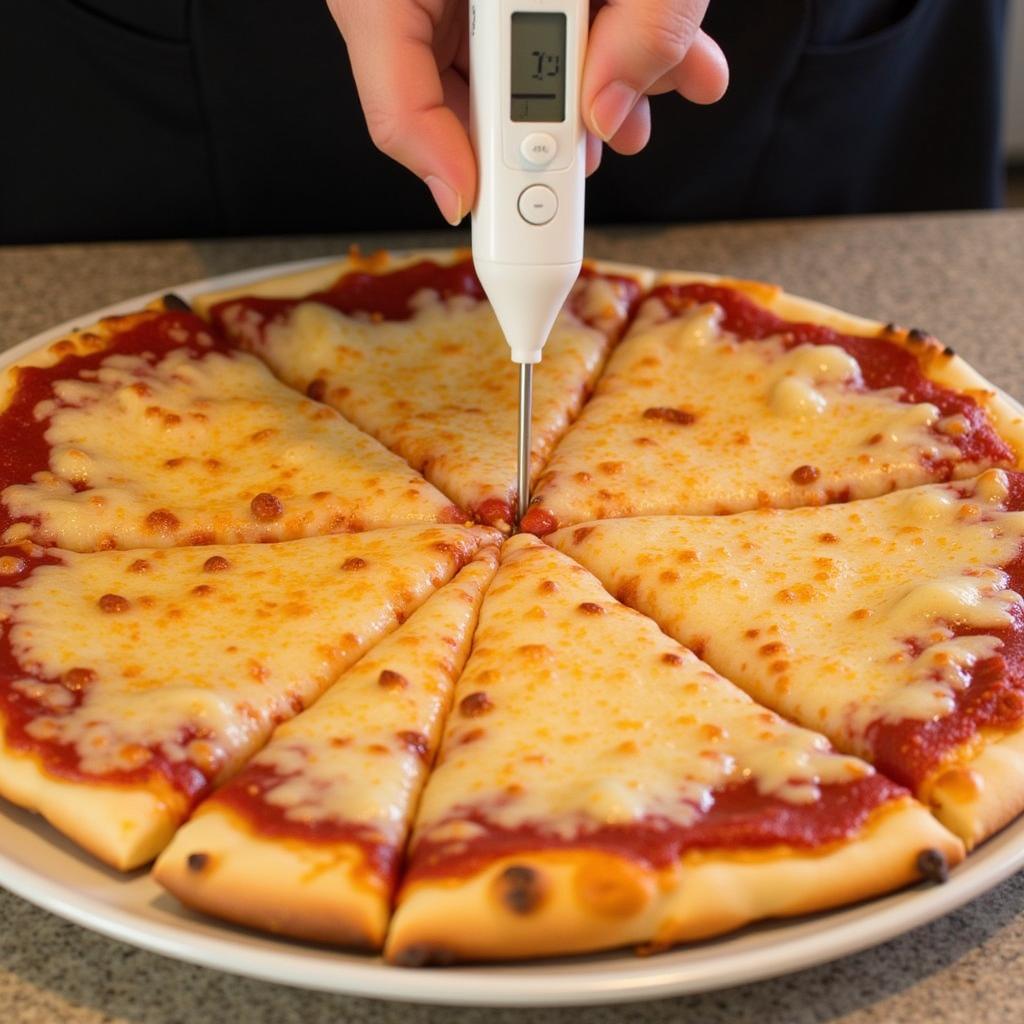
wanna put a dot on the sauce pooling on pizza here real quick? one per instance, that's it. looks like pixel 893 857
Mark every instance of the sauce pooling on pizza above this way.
pixel 417 359
pixel 396 295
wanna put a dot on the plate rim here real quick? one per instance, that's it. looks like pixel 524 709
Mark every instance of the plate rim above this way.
pixel 527 984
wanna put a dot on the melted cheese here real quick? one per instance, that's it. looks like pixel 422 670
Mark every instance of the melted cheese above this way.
pixel 836 617
pixel 438 388
pixel 344 760
pixel 198 664
pixel 764 426
pixel 593 716
pixel 207 436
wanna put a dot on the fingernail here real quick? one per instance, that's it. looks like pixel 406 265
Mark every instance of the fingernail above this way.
pixel 449 202
pixel 611 107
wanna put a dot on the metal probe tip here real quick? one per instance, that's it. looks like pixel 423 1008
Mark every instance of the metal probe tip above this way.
pixel 525 416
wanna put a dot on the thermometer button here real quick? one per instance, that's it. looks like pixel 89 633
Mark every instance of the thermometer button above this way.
pixel 537 204
pixel 538 149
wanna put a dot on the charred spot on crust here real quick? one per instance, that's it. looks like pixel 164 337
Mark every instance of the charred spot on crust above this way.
pixel 933 865
pixel 175 303
pixel 423 954
pixel 216 563
pixel 353 563
pixel 520 888
pixel 114 604
pixel 949 351
pixel 890 328
pixel 916 335
pixel 316 389
pixel 589 608
pixel 197 861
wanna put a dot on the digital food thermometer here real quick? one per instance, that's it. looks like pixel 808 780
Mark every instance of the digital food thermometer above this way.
pixel 525 69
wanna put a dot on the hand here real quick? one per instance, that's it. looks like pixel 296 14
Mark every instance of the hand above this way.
pixel 410 59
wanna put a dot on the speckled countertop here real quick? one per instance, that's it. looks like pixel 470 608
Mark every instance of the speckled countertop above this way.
pixel 960 276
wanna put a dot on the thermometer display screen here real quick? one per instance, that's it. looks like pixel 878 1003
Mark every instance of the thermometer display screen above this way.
pixel 538 66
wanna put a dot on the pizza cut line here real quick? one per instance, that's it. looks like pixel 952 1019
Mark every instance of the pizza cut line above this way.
pixel 325 807
pixel 135 681
pixel 266 718
pixel 411 352
pixel 894 625
pixel 728 395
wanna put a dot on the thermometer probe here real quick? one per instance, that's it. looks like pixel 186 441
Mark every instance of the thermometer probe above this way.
pixel 525 69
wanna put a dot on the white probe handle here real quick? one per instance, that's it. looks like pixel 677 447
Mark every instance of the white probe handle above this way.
pixel 528 218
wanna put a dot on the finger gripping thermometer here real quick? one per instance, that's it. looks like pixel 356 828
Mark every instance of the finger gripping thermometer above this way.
pixel 526 65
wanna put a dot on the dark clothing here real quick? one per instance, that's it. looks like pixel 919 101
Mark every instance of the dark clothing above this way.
pixel 171 118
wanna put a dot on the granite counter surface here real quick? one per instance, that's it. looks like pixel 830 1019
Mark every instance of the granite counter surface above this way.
pixel 960 276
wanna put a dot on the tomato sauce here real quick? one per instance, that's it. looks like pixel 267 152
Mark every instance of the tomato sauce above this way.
pixel 739 819
pixel 910 750
pixel 246 795
pixel 25 450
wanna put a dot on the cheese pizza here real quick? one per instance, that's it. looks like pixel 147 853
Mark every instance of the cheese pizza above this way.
pixel 894 625
pixel 148 431
pixel 246 627
pixel 411 352
pixel 731 395
pixel 598 786
pixel 132 682
pixel 324 808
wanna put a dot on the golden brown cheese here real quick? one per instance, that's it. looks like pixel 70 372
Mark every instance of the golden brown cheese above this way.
pixel 219 451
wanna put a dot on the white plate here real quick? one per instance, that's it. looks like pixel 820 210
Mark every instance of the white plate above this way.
pixel 42 866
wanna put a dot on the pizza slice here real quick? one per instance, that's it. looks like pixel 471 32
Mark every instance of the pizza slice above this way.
pixel 148 431
pixel 306 840
pixel 732 395
pixel 410 351
pixel 893 625
pixel 132 682
pixel 598 786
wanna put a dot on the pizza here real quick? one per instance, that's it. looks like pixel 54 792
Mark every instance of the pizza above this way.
pixel 599 786
pixel 324 808
pixel 410 351
pixel 756 654
pixel 893 625
pixel 133 682
pixel 732 395
pixel 220 450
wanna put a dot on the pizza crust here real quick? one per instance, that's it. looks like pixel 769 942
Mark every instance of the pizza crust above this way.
pixel 76 343
pixel 124 826
pixel 975 798
pixel 592 900
pixel 315 279
pixel 322 892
